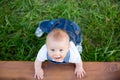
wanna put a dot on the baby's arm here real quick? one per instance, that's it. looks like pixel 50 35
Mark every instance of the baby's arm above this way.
pixel 41 57
pixel 39 74
pixel 79 71
pixel 76 58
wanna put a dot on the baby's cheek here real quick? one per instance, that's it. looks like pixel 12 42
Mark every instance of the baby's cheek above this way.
pixel 50 54
pixel 64 54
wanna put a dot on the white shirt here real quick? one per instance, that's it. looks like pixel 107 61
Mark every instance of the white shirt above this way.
pixel 74 54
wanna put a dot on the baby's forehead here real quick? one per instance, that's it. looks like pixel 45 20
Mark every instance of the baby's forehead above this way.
pixel 58 40
pixel 58 43
pixel 58 34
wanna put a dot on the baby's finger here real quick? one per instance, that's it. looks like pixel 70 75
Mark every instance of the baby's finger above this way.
pixel 75 72
pixel 35 76
pixel 38 77
pixel 78 75
pixel 41 77
pixel 82 75
pixel 84 71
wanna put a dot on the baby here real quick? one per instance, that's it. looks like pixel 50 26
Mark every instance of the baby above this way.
pixel 59 48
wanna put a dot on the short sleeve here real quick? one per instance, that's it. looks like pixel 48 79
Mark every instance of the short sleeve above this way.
pixel 74 54
pixel 42 54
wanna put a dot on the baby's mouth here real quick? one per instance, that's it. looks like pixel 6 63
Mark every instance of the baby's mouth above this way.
pixel 57 57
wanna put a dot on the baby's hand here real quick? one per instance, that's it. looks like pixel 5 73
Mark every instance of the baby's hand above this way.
pixel 80 72
pixel 39 74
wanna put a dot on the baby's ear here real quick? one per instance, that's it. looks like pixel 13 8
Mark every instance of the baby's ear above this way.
pixel 69 44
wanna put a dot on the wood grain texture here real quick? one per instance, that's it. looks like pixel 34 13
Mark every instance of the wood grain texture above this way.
pixel 20 70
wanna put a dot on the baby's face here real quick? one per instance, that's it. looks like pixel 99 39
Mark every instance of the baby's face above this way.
pixel 57 50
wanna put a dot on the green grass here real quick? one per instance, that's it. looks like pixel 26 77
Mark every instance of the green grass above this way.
pixel 98 19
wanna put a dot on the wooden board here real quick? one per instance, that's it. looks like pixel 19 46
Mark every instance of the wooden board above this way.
pixel 20 70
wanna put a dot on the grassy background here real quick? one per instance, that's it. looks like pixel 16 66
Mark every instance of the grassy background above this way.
pixel 98 19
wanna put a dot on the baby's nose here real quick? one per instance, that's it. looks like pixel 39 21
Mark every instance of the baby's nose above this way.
pixel 57 54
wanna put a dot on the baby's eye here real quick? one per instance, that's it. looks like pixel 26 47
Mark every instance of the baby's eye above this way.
pixel 52 49
pixel 61 50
